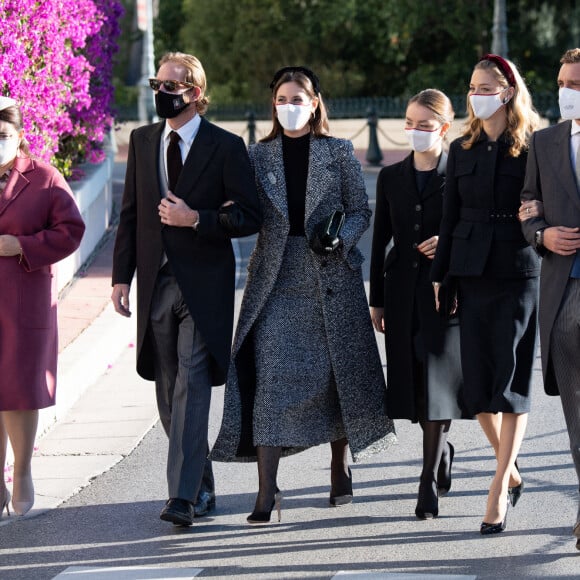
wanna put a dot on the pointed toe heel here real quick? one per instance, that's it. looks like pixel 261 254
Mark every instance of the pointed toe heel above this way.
pixel 257 518
pixel 344 498
pixel 444 473
pixel 427 501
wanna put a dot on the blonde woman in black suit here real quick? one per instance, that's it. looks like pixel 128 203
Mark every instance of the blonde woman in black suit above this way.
pixel 482 246
pixel 423 364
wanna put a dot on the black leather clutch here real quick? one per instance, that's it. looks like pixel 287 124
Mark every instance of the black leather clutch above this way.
pixel 327 234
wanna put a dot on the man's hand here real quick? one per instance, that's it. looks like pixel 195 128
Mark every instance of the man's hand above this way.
pixel 120 298
pixel 562 240
pixel 173 211
pixel 378 318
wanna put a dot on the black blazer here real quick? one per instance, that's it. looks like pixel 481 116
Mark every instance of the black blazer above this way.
pixel 217 169
pixel 480 233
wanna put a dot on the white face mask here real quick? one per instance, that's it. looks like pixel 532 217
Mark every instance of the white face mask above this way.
pixel 293 117
pixel 484 106
pixel 8 149
pixel 569 101
pixel 422 140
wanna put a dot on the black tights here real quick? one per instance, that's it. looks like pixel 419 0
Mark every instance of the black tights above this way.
pixel 434 447
pixel 269 459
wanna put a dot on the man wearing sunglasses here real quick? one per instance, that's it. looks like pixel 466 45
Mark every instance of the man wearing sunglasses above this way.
pixel 189 189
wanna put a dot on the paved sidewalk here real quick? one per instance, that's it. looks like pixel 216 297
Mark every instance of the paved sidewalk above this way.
pixel 109 419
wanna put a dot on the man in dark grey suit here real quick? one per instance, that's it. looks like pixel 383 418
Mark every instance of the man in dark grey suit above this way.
pixel 189 189
pixel 553 177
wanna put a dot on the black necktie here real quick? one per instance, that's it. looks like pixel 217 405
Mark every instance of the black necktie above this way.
pixel 174 163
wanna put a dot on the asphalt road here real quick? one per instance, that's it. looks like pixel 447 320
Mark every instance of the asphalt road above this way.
pixel 114 523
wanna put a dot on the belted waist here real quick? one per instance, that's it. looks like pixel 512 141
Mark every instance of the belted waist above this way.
pixel 473 214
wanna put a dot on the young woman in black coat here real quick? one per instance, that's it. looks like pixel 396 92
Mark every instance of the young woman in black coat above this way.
pixel 423 359
pixel 482 246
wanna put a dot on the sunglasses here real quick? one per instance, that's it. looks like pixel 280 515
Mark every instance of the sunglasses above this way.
pixel 170 86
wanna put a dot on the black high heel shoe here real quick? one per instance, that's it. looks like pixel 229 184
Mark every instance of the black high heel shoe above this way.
pixel 489 529
pixel 261 518
pixel 344 498
pixel 515 492
pixel 444 473
pixel 427 501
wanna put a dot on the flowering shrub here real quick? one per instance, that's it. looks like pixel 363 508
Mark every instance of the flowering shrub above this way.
pixel 56 60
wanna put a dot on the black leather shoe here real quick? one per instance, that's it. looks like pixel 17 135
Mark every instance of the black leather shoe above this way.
pixel 488 529
pixel 427 501
pixel 515 492
pixel 444 472
pixel 178 511
pixel 204 504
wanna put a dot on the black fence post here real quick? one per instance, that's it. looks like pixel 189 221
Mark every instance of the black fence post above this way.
pixel 251 116
pixel 374 154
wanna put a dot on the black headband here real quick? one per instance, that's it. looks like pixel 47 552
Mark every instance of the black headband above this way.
pixel 299 69
pixel 503 65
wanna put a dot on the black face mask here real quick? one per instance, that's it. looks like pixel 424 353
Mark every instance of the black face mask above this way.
pixel 169 105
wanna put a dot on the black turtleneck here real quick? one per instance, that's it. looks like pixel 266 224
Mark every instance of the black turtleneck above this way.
pixel 295 152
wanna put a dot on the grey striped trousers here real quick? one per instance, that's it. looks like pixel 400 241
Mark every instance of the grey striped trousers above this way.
pixel 565 353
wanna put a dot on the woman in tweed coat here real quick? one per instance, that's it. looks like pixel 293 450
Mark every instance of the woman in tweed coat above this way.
pixel 305 367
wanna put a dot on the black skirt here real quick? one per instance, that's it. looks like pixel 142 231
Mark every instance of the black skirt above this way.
pixel 498 322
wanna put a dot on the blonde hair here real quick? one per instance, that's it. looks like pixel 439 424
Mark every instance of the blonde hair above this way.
pixel 194 74
pixel 522 118
pixel 318 122
pixel 437 102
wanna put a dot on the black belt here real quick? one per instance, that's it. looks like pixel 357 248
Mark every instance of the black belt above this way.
pixel 472 214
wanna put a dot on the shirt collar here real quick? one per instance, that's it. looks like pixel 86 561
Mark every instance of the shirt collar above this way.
pixel 575 129
pixel 187 132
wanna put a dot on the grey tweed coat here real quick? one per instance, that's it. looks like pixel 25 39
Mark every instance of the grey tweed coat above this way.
pixel 334 182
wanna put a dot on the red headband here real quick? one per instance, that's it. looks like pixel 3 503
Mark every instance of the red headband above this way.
pixel 503 65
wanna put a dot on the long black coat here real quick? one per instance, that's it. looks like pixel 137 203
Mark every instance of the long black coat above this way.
pixel 400 283
pixel 550 179
pixel 217 169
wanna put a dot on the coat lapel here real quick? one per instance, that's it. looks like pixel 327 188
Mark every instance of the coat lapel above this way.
pixel 319 160
pixel 17 182
pixel 272 175
pixel 560 158
pixel 199 156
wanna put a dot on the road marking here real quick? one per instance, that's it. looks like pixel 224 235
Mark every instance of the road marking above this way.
pixel 127 573
pixel 388 576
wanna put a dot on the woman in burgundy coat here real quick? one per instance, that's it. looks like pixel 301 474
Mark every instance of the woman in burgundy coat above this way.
pixel 39 225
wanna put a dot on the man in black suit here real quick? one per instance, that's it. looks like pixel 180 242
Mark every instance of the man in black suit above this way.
pixel 553 177
pixel 189 189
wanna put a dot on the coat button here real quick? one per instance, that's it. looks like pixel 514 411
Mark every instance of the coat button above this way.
pixel 324 263
pixel 415 264
pixel 416 227
pixel 415 244
pixel 418 207
pixel 329 291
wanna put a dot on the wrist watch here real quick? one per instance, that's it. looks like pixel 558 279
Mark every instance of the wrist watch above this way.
pixel 539 238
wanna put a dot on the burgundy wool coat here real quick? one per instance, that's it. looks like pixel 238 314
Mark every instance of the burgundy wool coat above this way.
pixel 38 208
